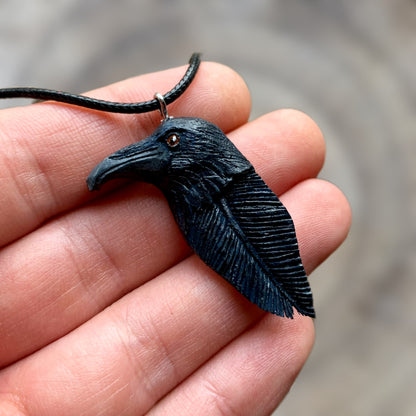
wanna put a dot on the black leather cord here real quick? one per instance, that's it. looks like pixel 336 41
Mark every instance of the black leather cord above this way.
pixel 102 105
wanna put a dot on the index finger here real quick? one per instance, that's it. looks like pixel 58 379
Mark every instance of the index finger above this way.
pixel 48 149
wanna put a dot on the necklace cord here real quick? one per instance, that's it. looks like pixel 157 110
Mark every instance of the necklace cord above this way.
pixel 103 105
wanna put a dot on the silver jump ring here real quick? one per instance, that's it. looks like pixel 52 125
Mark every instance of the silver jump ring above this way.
pixel 162 106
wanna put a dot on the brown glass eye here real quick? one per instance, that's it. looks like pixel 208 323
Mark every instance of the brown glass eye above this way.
pixel 173 140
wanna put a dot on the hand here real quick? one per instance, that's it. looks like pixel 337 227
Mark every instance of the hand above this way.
pixel 103 308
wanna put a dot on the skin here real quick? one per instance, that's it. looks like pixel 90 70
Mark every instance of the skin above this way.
pixel 104 310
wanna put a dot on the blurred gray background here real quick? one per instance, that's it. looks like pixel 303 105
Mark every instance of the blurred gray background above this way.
pixel 348 64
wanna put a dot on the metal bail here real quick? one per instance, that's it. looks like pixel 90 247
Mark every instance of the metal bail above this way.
pixel 162 107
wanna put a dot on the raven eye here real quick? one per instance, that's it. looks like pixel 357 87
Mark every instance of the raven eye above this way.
pixel 173 140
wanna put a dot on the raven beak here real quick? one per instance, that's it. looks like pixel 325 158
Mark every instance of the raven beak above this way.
pixel 142 160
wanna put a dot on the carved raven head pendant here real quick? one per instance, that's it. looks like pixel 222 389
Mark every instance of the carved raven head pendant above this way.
pixel 226 212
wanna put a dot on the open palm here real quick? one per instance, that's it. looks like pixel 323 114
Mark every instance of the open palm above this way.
pixel 104 310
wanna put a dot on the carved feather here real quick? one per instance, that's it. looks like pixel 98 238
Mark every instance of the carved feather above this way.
pixel 247 236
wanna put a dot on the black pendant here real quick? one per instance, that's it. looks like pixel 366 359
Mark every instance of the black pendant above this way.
pixel 226 212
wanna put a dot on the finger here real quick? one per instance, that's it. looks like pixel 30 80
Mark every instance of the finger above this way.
pixel 287 141
pixel 338 220
pixel 72 264
pixel 141 347
pixel 251 376
pixel 61 275
pixel 49 149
